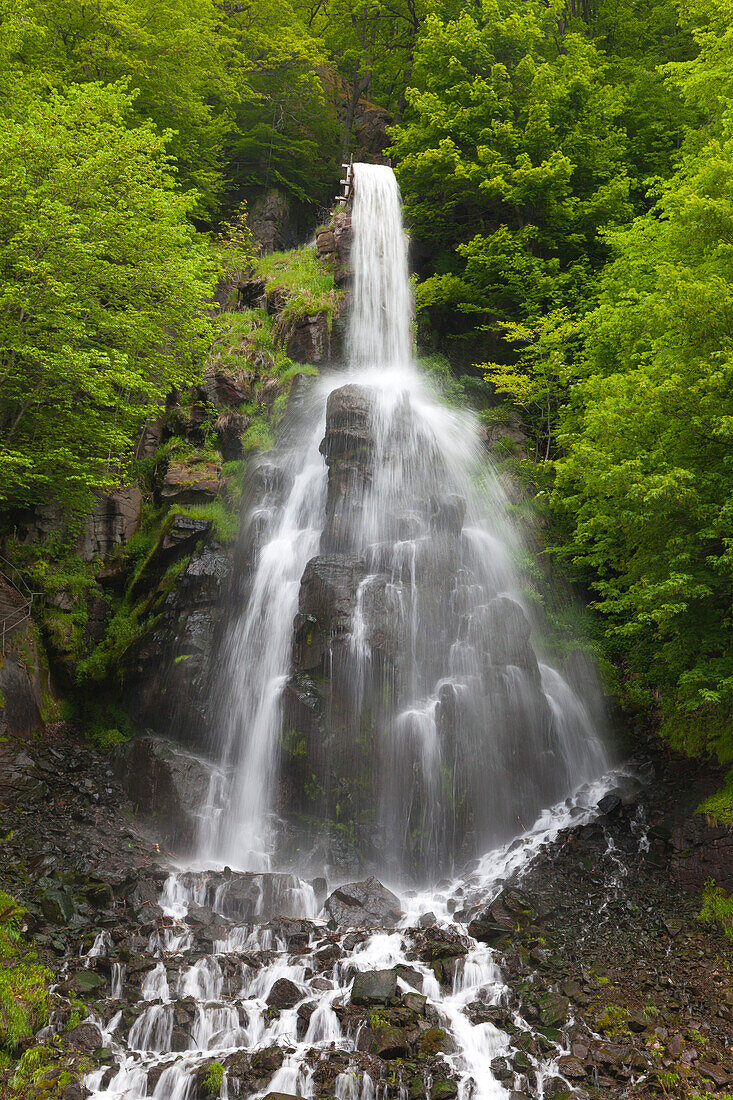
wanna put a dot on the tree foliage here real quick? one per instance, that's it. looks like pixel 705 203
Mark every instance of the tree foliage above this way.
pixel 102 291
pixel 647 475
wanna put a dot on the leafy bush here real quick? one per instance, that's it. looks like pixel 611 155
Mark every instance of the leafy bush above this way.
pixel 214 1078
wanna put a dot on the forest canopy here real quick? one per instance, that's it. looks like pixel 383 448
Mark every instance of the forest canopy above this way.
pixel 567 173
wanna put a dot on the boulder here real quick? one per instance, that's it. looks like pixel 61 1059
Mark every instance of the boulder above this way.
pixel 386 1042
pixel 366 904
pixel 284 994
pixel 190 483
pixel 86 1036
pixel 374 987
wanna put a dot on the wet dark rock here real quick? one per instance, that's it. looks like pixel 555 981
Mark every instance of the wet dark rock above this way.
pixel 366 904
pixel 374 987
pixel 435 1041
pixel 309 339
pixel 510 910
pixel 167 783
pixel 201 916
pixel 448 513
pixel 57 906
pixel 716 1074
pixel 86 982
pixel 386 1042
pixel 553 1009
pixel 284 994
pixel 703 850
pixel 609 804
pixel 571 1067
pixel 415 1002
pixel 268 1061
pixel 182 529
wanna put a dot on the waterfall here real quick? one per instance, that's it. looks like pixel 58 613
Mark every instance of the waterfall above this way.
pixel 383 670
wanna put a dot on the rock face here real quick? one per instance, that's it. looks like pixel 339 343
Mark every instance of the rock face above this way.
pixel 166 783
pixel 366 904
pixel 20 683
pixel 309 340
pixel 703 850
pixel 168 670
pixel 270 219
pixel 112 520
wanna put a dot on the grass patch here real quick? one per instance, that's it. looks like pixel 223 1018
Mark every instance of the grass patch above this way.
pixel 24 999
pixel 225 523
pixel 719 806
pixel 717 908
pixel 307 283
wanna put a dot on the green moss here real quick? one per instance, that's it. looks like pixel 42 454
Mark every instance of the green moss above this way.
pixel 717 908
pixel 614 1020
pixel 214 1078
pixel 719 806
pixel 24 999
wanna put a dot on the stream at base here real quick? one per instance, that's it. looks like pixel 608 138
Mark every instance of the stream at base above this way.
pixel 284 1002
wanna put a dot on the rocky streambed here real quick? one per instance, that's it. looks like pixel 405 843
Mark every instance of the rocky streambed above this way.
pixel 568 963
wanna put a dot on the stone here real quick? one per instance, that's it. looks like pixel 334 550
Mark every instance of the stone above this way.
pixel 113 520
pixel 87 981
pixel 415 1002
pixel 427 920
pixel 190 483
pixel 553 1009
pixel 57 906
pixel 386 1042
pixel 374 987
pixel 201 916
pixel 283 1096
pixel 84 1037
pixel 284 994
pixel 703 850
pixel 609 804
pixel 435 1041
pixel 224 387
pixel 181 529
pixel 366 904
pixel 571 1067
pixel 716 1074
pixel 20 709
pixel 309 340
pixel 266 1062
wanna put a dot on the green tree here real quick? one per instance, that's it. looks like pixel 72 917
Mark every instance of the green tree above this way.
pixel 647 475
pixel 103 286
pixel 511 159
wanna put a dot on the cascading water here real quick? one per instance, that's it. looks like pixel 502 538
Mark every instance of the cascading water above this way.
pixel 383 670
